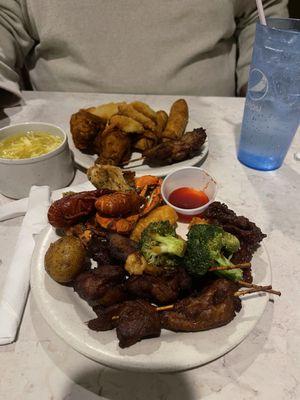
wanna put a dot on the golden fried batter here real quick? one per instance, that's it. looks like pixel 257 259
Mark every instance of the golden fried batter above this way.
pixel 105 111
pixel 126 124
pixel 84 128
pixel 144 109
pixel 115 147
pixel 178 119
pixel 162 119
pixel 129 111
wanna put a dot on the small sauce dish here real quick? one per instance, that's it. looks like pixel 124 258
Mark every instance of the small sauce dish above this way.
pixel 195 183
pixel 55 168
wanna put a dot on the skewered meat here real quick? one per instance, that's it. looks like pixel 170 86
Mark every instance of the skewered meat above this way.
pixel 134 320
pixel 97 249
pixel 96 286
pixel 246 231
pixel 119 204
pixel 137 320
pixel 120 247
pixel 176 150
pixel 85 127
pixel 161 289
pixel 215 306
pixel 70 209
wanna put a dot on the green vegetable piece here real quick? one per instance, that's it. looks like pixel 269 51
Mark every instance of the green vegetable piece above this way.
pixel 206 247
pixel 160 245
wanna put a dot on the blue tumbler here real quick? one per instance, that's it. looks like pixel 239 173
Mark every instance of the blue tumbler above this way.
pixel 272 106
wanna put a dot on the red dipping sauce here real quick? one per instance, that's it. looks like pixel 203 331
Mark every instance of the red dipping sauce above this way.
pixel 188 198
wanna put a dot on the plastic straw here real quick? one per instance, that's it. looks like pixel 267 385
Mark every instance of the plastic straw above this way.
pixel 261 13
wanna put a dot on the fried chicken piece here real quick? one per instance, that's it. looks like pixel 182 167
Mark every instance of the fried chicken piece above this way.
pixel 246 231
pixel 129 111
pixel 84 128
pixel 215 306
pixel 126 124
pixel 163 289
pixel 177 121
pixel 114 147
pixel 173 151
pixel 147 141
pixel 108 177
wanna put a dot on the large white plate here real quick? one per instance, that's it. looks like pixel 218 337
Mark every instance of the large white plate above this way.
pixel 67 313
pixel 86 160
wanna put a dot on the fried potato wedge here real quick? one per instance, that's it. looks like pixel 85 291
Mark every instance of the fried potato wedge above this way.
pixel 144 109
pixel 163 213
pixel 126 124
pixel 177 122
pixel 129 111
pixel 162 119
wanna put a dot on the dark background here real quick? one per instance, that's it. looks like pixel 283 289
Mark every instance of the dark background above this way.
pixel 294 6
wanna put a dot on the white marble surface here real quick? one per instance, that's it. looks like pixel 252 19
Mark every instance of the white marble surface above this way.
pixel 265 366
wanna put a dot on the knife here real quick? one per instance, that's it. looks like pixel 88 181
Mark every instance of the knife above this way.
pixel 16 285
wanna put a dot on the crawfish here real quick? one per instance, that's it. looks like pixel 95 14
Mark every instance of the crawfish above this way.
pixel 70 209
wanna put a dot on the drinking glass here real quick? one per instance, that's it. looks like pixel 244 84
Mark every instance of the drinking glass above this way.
pixel 272 106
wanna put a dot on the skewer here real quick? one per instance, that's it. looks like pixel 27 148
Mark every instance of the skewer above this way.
pixel 133 160
pixel 229 267
pixel 253 286
pixel 157 309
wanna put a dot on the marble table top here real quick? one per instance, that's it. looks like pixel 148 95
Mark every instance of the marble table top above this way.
pixel 39 365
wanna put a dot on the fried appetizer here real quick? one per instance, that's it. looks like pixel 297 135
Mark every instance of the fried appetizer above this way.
pixel 114 147
pixel 162 119
pixel 144 109
pixel 105 111
pixel 129 111
pixel 126 124
pixel 107 177
pixel 177 122
pixel 84 128
pixel 147 141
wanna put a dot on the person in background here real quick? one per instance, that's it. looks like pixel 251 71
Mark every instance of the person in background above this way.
pixel 188 47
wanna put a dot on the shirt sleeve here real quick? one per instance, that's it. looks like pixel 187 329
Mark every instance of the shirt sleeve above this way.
pixel 246 18
pixel 15 43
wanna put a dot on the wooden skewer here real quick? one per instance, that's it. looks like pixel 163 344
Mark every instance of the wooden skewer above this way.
pixel 133 160
pixel 253 286
pixel 255 290
pixel 228 267
pixel 158 309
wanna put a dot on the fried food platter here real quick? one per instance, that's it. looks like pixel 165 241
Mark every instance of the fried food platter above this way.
pixel 67 314
pixel 134 136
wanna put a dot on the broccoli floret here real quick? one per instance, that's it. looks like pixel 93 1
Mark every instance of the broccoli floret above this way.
pixel 160 245
pixel 210 245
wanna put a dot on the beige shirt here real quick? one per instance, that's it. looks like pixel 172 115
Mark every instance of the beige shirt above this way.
pixel 192 47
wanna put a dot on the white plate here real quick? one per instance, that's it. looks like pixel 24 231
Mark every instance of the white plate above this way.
pixel 67 313
pixel 86 160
